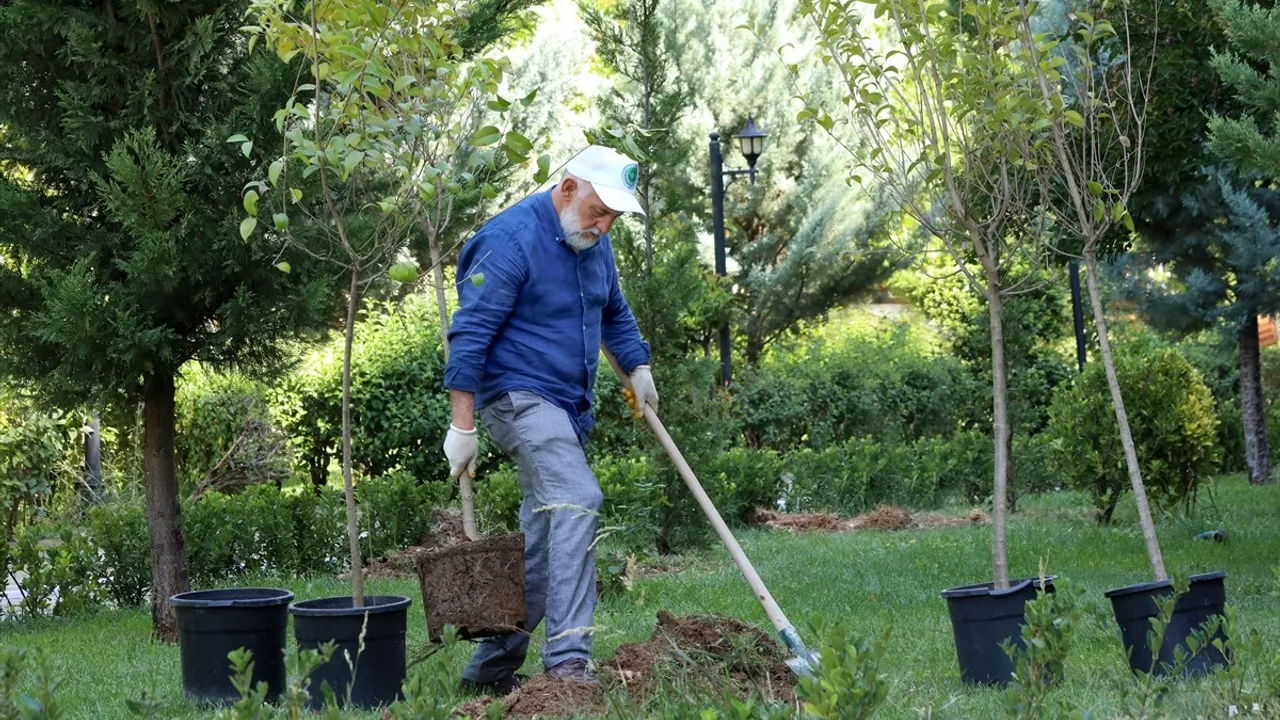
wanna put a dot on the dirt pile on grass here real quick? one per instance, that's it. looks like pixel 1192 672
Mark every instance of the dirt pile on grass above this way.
pixel 542 697
pixel 884 517
pixel 827 522
pixel 708 653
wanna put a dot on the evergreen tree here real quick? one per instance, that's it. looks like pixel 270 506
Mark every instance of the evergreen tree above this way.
pixel 802 241
pixel 118 219
pixel 1250 141
pixel 1223 275
pixel 1174 223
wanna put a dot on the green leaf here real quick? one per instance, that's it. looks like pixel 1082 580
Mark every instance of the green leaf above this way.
pixel 1095 188
pixel 1099 211
pixel 246 227
pixel 281 221
pixel 1117 212
pixel 1074 118
pixel 826 122
pixel 246 148
pixel 518 143
pixel 477 279
pixel 403 82
pixel 1128 222
pixel 485 136
pixel 297 194
pixel 544 169
pixel 237 139
pixel 499 104
pixel 489 192
pixel 273 172
pixel 527 100
pixel 251 202
pixel 284 267
pixel 352 159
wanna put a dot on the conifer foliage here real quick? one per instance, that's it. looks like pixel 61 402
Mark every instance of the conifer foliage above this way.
pixel 120 258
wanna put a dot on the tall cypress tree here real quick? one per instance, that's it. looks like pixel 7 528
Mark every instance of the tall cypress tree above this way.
pixel 120 258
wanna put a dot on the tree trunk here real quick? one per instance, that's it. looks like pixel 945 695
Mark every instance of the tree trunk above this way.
pixel 1252 406
pixel 169 571
pixel 437 281
pixel 1122 419
pixel 1001 431
pixel 348 485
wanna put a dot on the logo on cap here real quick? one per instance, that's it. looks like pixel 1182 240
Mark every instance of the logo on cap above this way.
pixel 630 175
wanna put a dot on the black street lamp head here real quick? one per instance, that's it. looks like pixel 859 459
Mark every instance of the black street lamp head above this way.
pixel 751 142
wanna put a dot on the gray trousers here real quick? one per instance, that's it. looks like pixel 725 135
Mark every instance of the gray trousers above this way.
pixel 558 517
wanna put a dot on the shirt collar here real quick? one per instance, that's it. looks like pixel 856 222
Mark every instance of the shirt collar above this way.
pixel 547 215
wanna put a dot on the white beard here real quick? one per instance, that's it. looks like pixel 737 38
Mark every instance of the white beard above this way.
pixel 574 234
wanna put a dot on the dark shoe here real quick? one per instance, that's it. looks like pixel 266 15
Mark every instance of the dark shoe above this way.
pixel 497 688
pixel 576 670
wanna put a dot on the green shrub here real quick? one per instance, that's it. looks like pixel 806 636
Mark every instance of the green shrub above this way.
pixel 226 437
pixel 497 496
pixel 398 404
pixel 1174 428
pixel 34 449
pixel 396 510
pixel 880 383
pixel 633 499
pixel 862 473
pixel 55 575
pixel 119 533
pixel 741 480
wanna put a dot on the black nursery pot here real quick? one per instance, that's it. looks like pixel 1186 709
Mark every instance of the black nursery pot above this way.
pixel 981 619
pixel 213 623
pixel 1135 606
pixel 379 670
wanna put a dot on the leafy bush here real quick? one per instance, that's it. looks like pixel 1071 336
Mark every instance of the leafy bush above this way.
pixel 398 403
pixel 848 683
pixel 396 510
pixel 57 574
pixel 862 473
pixel 497 497
pixel 119 534
pixel 881 383
pixel 1174 428
pixel 741 480
pixel 34 447
pixel 226 437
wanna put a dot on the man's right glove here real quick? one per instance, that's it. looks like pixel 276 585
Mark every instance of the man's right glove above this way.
pixel 462 447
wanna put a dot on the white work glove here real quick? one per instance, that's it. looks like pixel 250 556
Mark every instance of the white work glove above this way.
pixel 643 391
pixel 462 447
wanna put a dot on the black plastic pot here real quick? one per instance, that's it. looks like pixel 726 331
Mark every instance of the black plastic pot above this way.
pixel 379 670
pixel 981 619
pixel 213 623
pixel 1135 606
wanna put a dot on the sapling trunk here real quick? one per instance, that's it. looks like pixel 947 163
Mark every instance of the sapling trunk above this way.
pixel 348 486
pixel 1001 431
pixel 437 281
pixel 1122 419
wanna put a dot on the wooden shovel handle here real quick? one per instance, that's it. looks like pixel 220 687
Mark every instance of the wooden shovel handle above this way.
pixel 468 506
pixel 762 593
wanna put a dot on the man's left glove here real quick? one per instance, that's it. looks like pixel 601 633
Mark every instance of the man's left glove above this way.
pixel 462 447
pixel 643 390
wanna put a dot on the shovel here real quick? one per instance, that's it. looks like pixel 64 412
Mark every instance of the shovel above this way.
pixel 803 661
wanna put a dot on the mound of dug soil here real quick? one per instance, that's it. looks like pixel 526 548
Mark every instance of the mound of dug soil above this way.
pixel 884 517
pixel 542 697
pixel 703 651
pixel 826 522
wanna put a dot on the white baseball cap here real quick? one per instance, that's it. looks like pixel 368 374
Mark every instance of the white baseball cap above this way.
pixel 612 174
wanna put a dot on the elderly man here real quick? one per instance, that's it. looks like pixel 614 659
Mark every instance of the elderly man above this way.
pixel 525 343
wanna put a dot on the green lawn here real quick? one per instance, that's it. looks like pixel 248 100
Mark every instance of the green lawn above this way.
pixel 866 578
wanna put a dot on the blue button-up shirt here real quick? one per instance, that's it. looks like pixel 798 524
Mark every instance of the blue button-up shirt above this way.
pixel 536 320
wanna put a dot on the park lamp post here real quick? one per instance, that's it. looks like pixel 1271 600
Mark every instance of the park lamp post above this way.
pixel 751 143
